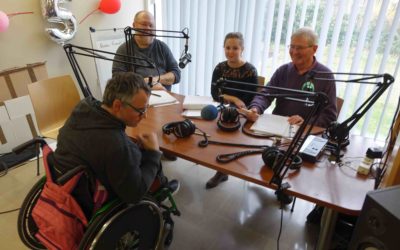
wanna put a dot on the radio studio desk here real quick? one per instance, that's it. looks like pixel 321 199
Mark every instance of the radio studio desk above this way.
pixel 338 189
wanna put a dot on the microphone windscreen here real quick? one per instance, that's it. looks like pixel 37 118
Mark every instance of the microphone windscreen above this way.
pixel 209 112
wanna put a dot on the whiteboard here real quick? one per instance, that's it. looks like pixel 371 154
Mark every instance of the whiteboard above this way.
pixel 108 40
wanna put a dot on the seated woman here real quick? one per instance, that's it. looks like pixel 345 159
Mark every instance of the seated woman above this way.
pixel 235 68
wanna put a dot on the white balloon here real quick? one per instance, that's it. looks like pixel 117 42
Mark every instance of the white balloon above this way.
pixel 59 17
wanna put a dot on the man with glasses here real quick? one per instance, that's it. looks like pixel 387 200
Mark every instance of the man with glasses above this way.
pixel 294 75
pixel 147 46
pixel 94 135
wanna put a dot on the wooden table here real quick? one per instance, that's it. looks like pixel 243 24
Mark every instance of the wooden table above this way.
pixel 338 189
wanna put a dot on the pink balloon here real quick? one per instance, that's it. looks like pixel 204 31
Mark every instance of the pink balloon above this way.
pixel 4 21
pixel 110 6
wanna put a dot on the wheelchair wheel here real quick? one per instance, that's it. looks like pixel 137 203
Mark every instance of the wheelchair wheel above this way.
pixel 25 224
pixel 125 227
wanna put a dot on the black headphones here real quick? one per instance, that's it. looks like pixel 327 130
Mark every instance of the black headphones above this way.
pixel 180 129
pixel 229 119
pixel 272 155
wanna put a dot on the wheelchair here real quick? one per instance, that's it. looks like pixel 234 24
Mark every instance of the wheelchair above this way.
pixel 115 225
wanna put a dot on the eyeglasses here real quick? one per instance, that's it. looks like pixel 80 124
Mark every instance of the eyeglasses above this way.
pixel 140 111
pixel 299 47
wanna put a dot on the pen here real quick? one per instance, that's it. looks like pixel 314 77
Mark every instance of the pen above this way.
pixel 156 95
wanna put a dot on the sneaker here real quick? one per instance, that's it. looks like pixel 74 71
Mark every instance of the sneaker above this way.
pixel 314 217
pixel 168 156
pixel 173 186
pixel 216 179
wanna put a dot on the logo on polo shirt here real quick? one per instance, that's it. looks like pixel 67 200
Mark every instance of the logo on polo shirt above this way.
pixel 308 86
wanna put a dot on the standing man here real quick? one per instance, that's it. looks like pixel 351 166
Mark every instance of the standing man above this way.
pixel 94 136
pixel 293 75
pixel 147 46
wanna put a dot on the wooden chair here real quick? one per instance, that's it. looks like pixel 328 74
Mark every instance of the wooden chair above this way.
pixel 339 104
pixel 261 82
pixel 53 100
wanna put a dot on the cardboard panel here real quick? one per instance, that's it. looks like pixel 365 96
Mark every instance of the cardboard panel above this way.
pixel 15 132
pixel 4 90
pixel 14 81
pixel 22 106
pixel 3 113
pixel 20 80
pixel 39 71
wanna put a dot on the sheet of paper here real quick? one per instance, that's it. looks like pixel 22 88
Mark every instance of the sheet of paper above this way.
pixel 275 125
pixel 197 102
pixel 161 97
pixel 192 113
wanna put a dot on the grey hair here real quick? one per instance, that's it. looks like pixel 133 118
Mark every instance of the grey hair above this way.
pixel 122 86
pixel 307 33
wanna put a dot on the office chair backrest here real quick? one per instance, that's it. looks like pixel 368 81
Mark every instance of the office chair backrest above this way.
pixel 339 104
pixel 261 82
pixel 53 100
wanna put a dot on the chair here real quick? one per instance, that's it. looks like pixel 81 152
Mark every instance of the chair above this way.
pixel 339 104
pixel 261 82
pixel 53 100
pixel 115 225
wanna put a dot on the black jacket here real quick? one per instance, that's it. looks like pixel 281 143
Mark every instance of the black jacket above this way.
pixel 93 137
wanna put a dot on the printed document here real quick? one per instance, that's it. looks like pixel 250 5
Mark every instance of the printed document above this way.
pixel 275 125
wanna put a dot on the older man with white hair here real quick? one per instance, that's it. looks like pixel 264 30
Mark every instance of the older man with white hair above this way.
pixel 293 75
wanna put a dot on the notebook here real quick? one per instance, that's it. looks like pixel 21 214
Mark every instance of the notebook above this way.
pixel 161 97
pixel 274 125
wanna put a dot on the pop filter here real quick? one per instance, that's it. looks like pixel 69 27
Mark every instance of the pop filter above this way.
pixel 210 112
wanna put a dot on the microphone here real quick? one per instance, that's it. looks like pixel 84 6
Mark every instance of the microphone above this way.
pixel 210 112
pixel 184 60
pixel 185 57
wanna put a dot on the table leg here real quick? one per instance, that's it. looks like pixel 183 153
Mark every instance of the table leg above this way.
pixel 328 223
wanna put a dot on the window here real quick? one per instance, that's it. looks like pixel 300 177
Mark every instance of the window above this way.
pixel 354 36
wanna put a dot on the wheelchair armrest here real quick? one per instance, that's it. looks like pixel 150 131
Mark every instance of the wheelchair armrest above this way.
pixel 18 149
pixel 68 175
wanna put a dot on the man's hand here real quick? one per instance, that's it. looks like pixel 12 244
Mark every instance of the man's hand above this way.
pixel 251 115
pixel 149 141
pixel 295 120
pixel 158 86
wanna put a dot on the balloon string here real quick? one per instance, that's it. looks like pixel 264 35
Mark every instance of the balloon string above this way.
pixel 88 15
pixel 20 13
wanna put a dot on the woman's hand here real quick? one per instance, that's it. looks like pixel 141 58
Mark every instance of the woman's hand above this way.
pixel 234 100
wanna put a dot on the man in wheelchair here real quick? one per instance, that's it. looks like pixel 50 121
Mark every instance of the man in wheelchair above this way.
pixel 94 135
pixel 131 214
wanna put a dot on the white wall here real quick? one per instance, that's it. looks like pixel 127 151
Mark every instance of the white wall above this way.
pixel 25 41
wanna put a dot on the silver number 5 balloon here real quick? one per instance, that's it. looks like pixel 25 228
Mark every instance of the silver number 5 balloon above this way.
pixel 63 24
